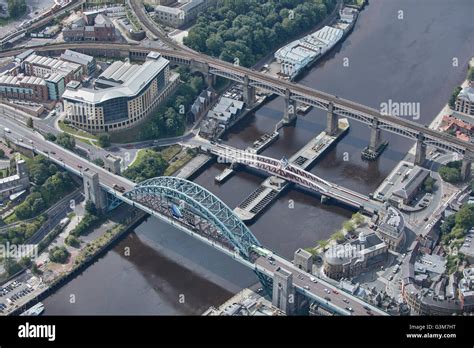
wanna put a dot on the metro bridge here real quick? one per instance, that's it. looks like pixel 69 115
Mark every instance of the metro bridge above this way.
pixel 206 218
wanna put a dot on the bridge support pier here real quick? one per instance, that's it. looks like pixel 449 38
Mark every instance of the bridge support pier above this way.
pixel 303 260
pixel 290 109
pixel 210 79
pixel 93 191
pixel 420 151
pixel 332 124
pixel 466 167
pixel 375 136
pixel 283 294
pixel 249 93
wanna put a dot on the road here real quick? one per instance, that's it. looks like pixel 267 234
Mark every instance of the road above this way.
pixel 317 290
pixel 63 157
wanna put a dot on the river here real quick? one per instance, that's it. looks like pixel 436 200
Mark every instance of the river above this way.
pixel 403 60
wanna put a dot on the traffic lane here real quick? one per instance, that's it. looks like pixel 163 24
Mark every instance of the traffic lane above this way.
pixel 65 157
pixel 317 288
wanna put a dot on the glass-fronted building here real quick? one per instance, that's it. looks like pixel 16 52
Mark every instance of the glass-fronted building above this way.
pixel 123 95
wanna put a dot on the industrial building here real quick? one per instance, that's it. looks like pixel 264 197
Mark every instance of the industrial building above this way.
pixel 124 95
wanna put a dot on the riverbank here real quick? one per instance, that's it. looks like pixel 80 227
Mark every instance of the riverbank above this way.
pixel 87 256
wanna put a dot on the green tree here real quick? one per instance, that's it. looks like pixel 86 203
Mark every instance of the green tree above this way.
pixel 104 139
pixel 50 137
pixel 59 254
pixel 2 153
pixel 452 100
pixel 66 140
pixel 11 266
pixel 465 216
pixel 349 226
pixel 16 8
pixel 29 122
pixel 450 174
pixel 98 161
pixel 428 184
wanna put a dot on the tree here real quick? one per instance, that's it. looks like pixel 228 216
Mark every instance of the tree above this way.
pixel 2 153
pixel 73 241
pixel 11 266
pixel 25 262
pixel 91 208
pixel 29 122
pixel 66 140
pixel 104 139
pixel 16 8
pixel 465 216
pixel 98 161
pixel 349 226
pixel 447 225
pixel 450 174
pixel 50 137
pixel 59 254
pixel 428 184
pixel 358 218
pixel 452 100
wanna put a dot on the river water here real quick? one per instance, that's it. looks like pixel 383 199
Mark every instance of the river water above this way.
pixel 403 60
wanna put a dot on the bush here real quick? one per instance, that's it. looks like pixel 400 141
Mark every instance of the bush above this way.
pixel 59 254
pixel 104 139
pixel 450 174
pixel 429 184
pixel 73 241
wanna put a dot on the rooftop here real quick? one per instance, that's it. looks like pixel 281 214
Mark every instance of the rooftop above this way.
pixel 127 80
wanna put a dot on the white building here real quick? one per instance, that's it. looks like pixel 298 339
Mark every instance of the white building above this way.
pixel 298 54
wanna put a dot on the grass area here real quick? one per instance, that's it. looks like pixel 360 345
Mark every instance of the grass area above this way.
pixel 170 152
pixel 179 163
pixel 77 132
pixel 140 155
pixel 181 154
pixel 10 219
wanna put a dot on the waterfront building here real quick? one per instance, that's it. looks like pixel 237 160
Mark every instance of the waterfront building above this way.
pixel 409 185
pixel 125 94
pixel 299 53
pixel 465 101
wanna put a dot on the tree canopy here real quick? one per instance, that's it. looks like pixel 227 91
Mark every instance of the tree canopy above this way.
pixel 242 32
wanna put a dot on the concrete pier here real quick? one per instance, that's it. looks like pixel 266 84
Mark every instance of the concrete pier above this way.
pixel 273 186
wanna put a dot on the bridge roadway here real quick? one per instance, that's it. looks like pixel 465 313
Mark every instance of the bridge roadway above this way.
pixel 71 162
pixel 296 175
pixel 293 91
